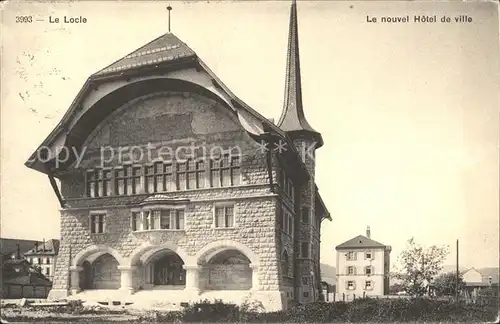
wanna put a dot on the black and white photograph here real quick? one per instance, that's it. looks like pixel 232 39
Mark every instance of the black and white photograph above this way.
pixel 287 161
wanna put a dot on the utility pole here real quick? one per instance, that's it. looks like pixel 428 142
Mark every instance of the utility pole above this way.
pixel 458 276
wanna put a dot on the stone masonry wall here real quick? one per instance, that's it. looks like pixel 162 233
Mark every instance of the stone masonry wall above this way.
pixel 173 119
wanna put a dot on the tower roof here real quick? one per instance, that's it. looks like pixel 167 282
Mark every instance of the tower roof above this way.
pixel 292 118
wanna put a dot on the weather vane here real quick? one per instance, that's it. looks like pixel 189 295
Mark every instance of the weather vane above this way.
pixel 169 8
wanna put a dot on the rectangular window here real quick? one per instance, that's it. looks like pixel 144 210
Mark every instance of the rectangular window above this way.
pixel 368 255
pixel 368 285
pixel 160 178
pixel 305 215
pixel 224 216
pixel 351 256
pixel 351 285
pixel 225 171
pixel 306 294
pixel 98 183
pixel 304 249
pixel 39 260
pixel 97 223
pixel 47 261
pixel 368 270
pixel 136 221
pixel 190 174
pixel 305 280
pixel 165 219
pixel 47 271
pixel 128 180
pixel 350 271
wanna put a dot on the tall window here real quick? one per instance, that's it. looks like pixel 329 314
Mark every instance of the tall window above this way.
pixel 287 221
pixel 97 223
pixel 47 261
pixel 160 177
pixel 304 249
pixel 368 255
pixel 368 285
pixel 98 183
pixel 368 270
pixel 190 174
pixel 351 270
pixel 225 171
pixel 128 180
pixel 47 271
pixel 305 215
pixel 287 185
pixel 224 216
pixel 136 221
pixel 285 264
pixel 350 285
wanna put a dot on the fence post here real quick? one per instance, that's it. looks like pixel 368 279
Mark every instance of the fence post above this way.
pixel 334 294
pixel 364 294
pixel 343 297
pixel 353 296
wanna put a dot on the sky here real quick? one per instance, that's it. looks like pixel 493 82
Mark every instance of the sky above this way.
pixel 409 112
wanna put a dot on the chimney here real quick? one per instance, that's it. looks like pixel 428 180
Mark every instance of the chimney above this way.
pixel 368 232
pixel 36 247
pixel 43 245
pixel 18 256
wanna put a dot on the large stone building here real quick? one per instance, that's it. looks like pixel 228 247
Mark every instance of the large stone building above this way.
pixel 363 267
pixel 169 182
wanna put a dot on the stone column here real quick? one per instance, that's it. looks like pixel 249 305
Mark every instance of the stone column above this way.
pixel 127 278
pixel 75 279
pixel 255 276
pixel 192 278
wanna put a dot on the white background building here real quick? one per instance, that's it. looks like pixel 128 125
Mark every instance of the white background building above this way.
pixel 363 267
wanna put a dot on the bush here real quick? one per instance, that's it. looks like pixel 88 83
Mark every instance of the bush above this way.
pixel 360 310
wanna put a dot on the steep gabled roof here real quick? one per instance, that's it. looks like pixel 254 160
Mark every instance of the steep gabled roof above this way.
pixel 360 242
pixel 166 48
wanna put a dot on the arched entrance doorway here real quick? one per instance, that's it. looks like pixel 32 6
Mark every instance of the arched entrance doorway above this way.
pixel 102 273
pixel 227 270
pixel 164 269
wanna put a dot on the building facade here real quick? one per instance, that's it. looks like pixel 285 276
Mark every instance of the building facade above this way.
pixel 44 255
pixel 363 267
pixel 170 183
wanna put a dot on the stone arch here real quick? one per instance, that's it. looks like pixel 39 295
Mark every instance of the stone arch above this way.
pixel 147 250
pixel 211 249
pixel 92 252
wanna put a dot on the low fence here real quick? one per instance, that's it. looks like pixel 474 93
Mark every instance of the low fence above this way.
pixel 15 291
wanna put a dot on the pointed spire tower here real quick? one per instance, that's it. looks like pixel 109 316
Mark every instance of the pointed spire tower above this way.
pixel 292 119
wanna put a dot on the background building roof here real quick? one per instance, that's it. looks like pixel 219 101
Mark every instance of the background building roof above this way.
pixel 359 242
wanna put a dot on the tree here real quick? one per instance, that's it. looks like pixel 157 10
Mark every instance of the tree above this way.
pixel 419 266
pixel 446 284
pixel 395 288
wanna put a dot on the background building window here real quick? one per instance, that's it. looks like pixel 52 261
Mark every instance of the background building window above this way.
pixel 368 255
pixel 47 271
pixel 351 256
pixel 368 285
pixel 351 270
pixel 306 294
pixel 97 223
pixel 47 261
pixel 351 285
pixel 224 216
pixel 368 270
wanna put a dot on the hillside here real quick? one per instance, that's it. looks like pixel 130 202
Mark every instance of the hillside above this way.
pixel 328 273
